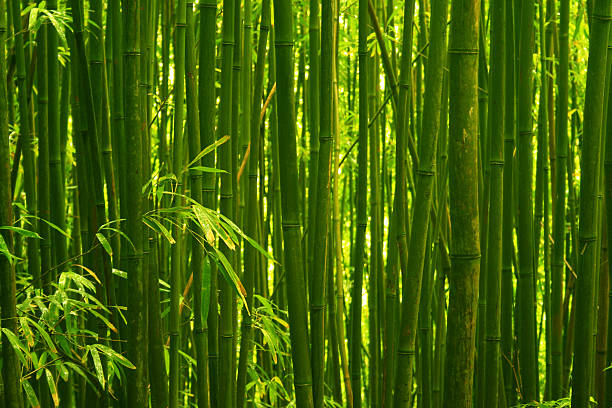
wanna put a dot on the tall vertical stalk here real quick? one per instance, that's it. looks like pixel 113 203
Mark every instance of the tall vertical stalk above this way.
pixel 10 364
pixel 496 193
pixel 361 194
pixel 195 182
pixel 507 286
pixel 321 220
pixel 42 133
pixel 423 202
pixel 56 168
pixel 251 254
pixel 283 18
pixel 589 189
pixel 206 95
pixel 177 166
pixel 526 274
pixel 27 137
pixel 137 386
pixel 225 373
pixel 463 189
pixel 559 221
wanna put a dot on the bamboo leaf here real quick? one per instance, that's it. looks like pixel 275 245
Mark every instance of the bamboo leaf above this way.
pixel 160 229
pixel 33 22
pixel 207 169
pixel 89 271
pixel 30 394
pixel 105 243
pixel 5 251
pixel 17 346
pixel 23 232
pixel 203 221
pixel 115 356
pixel 207 150
pixel 105 320
pixel 232 278
pixel 250 240
pixel 52 387
pixel 50 224
pixel 63 371
pixel 59 28
pixel 95 356
pixel 27 331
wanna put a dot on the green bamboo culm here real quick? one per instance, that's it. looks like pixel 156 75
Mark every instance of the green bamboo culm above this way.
pixel 11 371
pixel 492 326
pixel 177 163
pixel 252 205
pixel 42 133
pixel 96 203
pixel 27 139
pixel 195 183
pixel 100 94
pixel 283 43
pixel 56 169
pixel 525 234
pixel 507 285
pixel 426 173
pixel 589 190
pixel 137 385
pixel 362 201
pixel 608 199
pixel 118 120
pixel 206 96
pixel 157 369
pixel 225 373
pixel 400 230
pixel 559 216
pixel 313 98
pixel 321 203
pixel 463 193
pixel 248 196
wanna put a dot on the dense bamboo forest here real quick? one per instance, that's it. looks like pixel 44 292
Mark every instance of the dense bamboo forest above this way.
pixel 291 203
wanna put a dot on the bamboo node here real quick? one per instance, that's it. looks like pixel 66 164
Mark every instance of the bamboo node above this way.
pixel 466 51
pixel 207 6
pixel 602 18
pixel 493 338
pixel 406 352
pixel 280 43
pixel 465 257
pixel 133 257
pixel 301 385
pixel 291 225
pixel 429 173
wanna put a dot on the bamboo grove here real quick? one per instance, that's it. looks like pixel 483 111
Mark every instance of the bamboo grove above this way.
pixel 324 203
